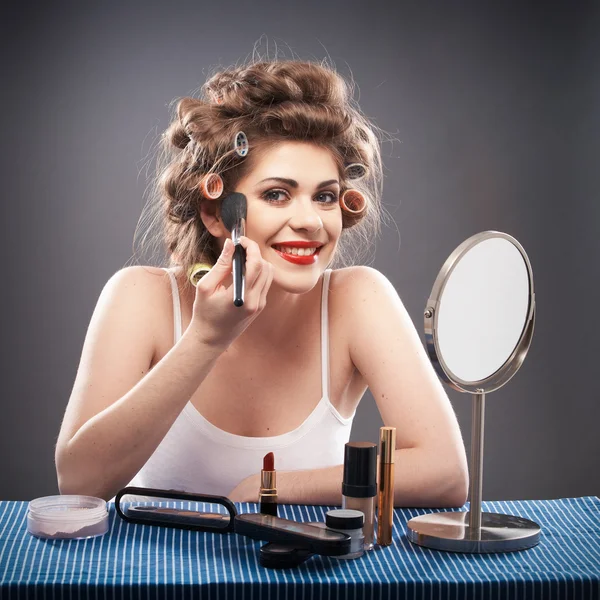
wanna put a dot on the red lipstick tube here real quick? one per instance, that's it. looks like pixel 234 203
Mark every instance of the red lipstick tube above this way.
pixel 267 494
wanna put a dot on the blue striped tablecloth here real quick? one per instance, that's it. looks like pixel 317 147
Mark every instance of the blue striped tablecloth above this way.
pixel 137 561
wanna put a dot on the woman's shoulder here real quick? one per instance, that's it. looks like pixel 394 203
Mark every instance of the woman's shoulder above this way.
pixel 136 275
pixel 358 292
pixel 356 280
pixel 138 284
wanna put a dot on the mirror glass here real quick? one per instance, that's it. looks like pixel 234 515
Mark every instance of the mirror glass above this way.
pixel 483 309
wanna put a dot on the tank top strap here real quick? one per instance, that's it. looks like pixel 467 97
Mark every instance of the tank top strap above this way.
pixel 176 307
pixel 325 336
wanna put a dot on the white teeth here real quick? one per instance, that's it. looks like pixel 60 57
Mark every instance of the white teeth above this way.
pixel 297 251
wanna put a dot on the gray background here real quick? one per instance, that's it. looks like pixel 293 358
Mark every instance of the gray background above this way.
pixel 496 109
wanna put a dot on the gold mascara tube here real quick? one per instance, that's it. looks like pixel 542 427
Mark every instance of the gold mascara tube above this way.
pixel 385 516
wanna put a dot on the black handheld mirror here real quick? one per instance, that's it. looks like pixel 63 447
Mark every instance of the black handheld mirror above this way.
pixel 172 508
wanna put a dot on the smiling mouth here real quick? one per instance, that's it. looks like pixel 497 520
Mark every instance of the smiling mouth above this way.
pixel 309 256
pixel 296 251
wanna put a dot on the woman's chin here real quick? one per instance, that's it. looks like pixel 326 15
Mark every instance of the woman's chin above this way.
pixel 295 283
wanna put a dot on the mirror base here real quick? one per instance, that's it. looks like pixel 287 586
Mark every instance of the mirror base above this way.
pixel 450 532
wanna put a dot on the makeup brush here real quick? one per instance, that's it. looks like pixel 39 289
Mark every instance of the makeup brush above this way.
pixel 233 214
pixel 267 495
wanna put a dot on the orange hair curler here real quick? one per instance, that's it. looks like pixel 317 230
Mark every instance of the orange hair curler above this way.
pixel 353 202
pixel 211 186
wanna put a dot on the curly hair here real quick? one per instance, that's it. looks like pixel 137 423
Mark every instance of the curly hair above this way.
pixel 270 101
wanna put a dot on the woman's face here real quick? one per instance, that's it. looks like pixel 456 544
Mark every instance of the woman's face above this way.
pixel 293 196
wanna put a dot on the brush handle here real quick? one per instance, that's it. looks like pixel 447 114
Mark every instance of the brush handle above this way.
pixel 239 272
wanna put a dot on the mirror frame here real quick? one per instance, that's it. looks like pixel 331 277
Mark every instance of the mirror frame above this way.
pixel 514 361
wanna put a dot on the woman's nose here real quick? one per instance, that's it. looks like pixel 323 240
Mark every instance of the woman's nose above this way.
pixel 305 216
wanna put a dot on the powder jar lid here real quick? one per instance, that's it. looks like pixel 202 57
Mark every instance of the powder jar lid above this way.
pixel 67 517
pixel 345 518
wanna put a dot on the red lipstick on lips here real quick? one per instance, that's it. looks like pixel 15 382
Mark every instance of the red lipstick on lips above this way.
pixel 299 260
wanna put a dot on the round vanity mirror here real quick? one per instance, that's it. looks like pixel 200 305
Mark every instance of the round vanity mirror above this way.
pixel 479 323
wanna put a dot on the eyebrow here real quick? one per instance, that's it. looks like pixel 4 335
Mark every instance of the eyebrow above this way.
pixel 293 183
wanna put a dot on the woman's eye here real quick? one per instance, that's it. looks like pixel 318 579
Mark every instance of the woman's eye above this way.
pixel 281 195
pixel 327 197
pixel 274 195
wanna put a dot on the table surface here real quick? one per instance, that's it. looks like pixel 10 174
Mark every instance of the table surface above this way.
pixel 138 561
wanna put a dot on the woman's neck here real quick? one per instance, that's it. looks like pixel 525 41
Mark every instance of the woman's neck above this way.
pixel 284 314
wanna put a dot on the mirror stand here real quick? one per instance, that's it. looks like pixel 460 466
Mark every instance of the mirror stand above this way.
pixel 479 323
pixel 474 531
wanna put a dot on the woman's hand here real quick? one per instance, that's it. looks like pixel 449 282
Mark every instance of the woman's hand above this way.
pixel 246 490
pixel 215 318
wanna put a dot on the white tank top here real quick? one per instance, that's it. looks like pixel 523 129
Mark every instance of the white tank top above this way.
pixel 195 456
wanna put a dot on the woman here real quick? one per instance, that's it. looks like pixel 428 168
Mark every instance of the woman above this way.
pixel 180 389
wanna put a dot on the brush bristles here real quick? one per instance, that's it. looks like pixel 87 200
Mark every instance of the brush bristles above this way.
pixel 233 208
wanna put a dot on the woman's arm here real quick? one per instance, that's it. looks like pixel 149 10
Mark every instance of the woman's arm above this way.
pixel 119 411
pixel 431 464
pixel 415 484
pixel 430 461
